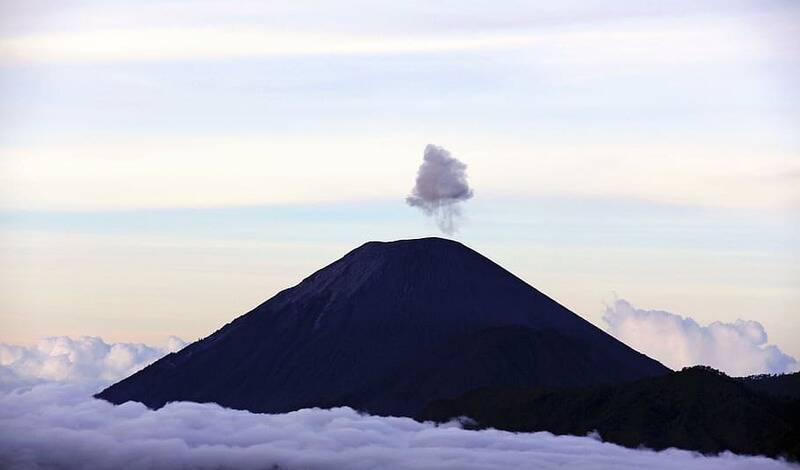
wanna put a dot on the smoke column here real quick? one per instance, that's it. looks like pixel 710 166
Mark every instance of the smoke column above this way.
pixel 440 186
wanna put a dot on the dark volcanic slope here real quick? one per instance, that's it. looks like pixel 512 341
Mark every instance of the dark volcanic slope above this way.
pixel 386 329
pixel 697 408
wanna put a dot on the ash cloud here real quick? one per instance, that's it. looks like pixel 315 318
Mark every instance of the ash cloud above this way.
pixel 738 349
pixel 440 187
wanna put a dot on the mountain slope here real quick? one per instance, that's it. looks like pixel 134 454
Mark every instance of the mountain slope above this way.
pixel 386 329
pixel 697 409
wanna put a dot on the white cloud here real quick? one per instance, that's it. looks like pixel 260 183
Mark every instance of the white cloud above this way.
pixel 57 425
pixel 738 348
pixel 65 359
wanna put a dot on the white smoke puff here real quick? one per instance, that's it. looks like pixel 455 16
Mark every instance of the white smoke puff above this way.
pixel 738 349
pixel 440 186
pixel 66 359
pixel 61 426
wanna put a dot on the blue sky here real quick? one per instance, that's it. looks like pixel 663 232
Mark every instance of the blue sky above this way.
pixel 165 166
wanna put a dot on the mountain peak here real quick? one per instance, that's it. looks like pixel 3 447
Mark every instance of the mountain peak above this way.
pixel 424 241
pixel 412 245
pixel 386 329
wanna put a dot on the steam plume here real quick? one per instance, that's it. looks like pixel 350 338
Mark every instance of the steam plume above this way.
pixel 441 185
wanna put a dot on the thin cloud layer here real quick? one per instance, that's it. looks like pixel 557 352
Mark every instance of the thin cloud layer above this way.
pixel 440 187
pixel 59 426
pixel 738 349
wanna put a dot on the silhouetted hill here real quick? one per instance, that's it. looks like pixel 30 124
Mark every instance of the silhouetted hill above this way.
pixel 386 329
pixel 783 386
pixel 697 408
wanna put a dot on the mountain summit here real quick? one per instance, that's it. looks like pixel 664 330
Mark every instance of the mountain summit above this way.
pixel 387 329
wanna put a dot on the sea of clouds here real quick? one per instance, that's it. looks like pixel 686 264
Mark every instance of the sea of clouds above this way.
pixel 48 419
pixel 59 426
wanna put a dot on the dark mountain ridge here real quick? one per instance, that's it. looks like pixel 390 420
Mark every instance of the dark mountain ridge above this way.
pixel 386 329
pixel 779 386
pixel 697 408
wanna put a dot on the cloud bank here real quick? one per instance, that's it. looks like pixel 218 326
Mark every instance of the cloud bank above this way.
pixel 58 426
pixel 65 359
pixel 738 349
pixel 440 186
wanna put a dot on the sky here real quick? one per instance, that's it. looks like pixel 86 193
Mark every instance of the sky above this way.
pixel 165 166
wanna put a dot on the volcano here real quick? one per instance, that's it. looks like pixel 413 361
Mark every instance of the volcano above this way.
pixel 387 329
